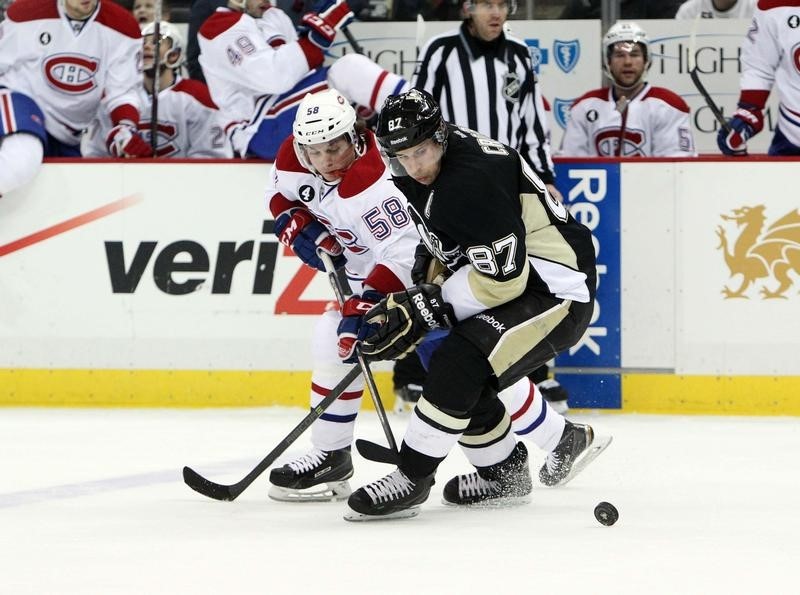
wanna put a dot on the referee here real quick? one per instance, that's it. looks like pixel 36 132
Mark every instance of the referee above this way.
pixel 484 80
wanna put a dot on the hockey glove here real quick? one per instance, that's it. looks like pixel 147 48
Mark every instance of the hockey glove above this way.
pixel 352 328
pixel 405 318
pixel 323 24
pixel 427 269
pixel 301 231
pixel 747 121
pixel 125 141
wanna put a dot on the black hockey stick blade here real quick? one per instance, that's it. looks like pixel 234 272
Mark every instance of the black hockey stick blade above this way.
pixel 709 100
pixel 352 41
pixel 219 491
pixel 376 452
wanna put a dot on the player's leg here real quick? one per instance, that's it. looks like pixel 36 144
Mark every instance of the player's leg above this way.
pixel 408 376
pixel 457 377
pixel 20 160
pixel 551 389
pixel 322 473
pixel 363 82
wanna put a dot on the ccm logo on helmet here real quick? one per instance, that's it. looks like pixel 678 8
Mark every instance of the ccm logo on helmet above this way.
pixel 70 73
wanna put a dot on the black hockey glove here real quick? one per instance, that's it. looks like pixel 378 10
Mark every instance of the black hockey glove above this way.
pixel 427 268
pixel 405 318
pixel 422 260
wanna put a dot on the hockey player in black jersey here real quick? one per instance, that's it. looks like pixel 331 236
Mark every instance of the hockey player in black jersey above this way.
pixel 519 288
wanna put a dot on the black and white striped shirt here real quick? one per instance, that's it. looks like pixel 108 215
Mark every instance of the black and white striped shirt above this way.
pixel 491 88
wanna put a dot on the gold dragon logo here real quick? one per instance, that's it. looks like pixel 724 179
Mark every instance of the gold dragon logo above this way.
pixel 756 255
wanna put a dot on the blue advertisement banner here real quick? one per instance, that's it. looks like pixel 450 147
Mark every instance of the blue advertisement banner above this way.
pixel 590 369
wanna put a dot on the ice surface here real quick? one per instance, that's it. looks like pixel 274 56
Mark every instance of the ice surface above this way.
pixel 92 502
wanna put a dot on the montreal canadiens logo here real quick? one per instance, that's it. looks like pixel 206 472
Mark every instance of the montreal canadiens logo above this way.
pixel 71 74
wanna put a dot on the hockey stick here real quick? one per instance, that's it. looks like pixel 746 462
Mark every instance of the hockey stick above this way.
pixel 156 78
pixel 219 491
pixel 693 72
pixel 352 41
pixel 342 292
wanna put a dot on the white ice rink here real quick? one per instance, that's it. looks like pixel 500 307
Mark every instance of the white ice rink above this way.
pixel 92 502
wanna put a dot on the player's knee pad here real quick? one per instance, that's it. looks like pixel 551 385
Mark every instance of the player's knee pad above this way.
pixel 458 375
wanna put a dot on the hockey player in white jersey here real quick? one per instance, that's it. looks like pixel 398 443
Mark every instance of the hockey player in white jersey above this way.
pixel 716 9
pixel 69 56
pixel 259 68
pixel 189 123
pixel 631 118
pixel 330 189
pixel 770 58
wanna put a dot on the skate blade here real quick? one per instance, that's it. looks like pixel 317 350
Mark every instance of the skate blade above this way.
pixel 331 492
pixel 599 444
pixel 510 502
pixel 357 517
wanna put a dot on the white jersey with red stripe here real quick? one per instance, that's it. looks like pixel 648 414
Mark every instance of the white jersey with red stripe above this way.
pixel 364 210
pixel 771 58
pixel 250 64
pixel 68 72
pixel 189 124
pixel 259 70
pixel 654 124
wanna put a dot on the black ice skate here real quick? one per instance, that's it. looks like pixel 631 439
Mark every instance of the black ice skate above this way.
pixel 505 483
pixel 575 450
pixel 392 497
pixel 318 476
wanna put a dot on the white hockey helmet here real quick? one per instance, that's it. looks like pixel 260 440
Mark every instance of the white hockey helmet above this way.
pixel 166 30
pixel 627 33
pixel 324 116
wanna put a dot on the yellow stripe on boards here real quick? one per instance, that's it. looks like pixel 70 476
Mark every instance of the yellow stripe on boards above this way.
pixel 711 395
pixel 164 388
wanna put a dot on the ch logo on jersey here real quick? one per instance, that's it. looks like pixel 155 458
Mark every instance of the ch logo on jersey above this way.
pixel 561 111
pixel 567 53
pixel 511 87
pixel 167 134
pixel 795 53
pixel 539 55
pixel 70 73
pixel 606 142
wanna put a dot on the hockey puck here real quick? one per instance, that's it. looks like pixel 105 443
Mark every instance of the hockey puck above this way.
pixel 606 513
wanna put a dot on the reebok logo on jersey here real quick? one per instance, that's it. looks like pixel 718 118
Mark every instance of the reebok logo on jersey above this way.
pixel 492 321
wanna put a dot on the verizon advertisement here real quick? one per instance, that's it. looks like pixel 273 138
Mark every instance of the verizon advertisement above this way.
pixel 151 266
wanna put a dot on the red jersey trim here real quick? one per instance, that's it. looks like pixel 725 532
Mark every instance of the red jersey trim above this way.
pixel 313 54
pixel 593 94
pixel 384 280
pixel 32 10
pixel 667 97
pixel 219 22
pixel 124 112
pixel 117 18
pixel 196 89
pixel 286 159
pixel 366 170
pixel 767 4
pixel 280 204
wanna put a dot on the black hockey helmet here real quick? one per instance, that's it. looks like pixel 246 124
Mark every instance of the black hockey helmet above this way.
pixel 408 119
